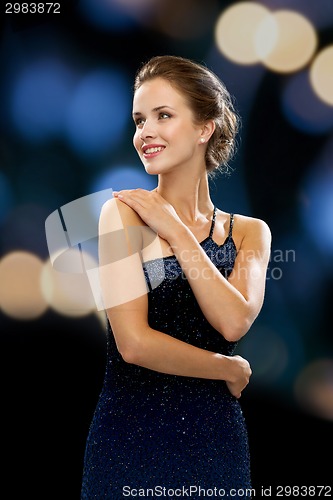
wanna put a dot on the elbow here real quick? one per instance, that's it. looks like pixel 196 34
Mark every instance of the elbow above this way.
pixel 235 326
pixel 129 356
pixel 132 344
pixel 131 352
pixel 234 331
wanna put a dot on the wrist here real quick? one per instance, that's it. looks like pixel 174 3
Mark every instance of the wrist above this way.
pixel 228 368
pixel 223 367
pixel 178 234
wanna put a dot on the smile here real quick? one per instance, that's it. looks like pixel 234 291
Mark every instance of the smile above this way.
pixel 153 150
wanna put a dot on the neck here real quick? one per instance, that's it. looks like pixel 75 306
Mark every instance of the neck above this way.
pixel 189 195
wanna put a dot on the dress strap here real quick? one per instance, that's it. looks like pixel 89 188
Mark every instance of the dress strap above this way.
pixel 231 225
pixel 213 223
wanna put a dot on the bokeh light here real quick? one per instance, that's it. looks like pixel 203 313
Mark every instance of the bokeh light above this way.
pixel 314 388
pixel 317 213
pixel 69 293
pixel 321 75
pixel 40 96
pixel 266 36
pixel 248 33
pixel 20 292
pixel 106 14
pixel 295 43
pixel 123 177
pixel 303 108
pixel 98 112
pixel 236 30
pixel 320 12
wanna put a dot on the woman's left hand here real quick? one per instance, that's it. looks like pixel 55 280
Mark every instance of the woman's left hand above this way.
pixel 154 210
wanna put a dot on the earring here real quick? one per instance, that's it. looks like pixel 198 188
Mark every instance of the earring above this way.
pixel 202 140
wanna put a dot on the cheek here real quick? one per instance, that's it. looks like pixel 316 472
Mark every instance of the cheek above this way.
pixel 136 141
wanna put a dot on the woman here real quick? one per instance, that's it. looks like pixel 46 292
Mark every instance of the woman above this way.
pixel 182 283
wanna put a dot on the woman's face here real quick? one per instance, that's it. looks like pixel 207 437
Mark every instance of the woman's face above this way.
pixel 165 136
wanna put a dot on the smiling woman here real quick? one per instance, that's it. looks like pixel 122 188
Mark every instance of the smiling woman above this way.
pixel 179 291
pixel 165 131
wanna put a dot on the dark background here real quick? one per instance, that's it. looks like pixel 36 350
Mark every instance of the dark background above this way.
pixel 53 365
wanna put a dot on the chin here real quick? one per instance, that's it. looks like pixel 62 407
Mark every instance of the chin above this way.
pixel 153 169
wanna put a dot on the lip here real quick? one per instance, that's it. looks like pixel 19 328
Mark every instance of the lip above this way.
pixel 146 147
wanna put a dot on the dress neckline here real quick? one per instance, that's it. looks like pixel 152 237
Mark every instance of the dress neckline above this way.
pixel 208 238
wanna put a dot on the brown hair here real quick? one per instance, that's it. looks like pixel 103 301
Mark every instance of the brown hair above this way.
pixel 208 98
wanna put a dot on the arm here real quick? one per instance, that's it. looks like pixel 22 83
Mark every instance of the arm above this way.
pixel 232 305
pixel 124 292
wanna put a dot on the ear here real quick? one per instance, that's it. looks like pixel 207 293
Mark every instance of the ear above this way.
pixel 206 131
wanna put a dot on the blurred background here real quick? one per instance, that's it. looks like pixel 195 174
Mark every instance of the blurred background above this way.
pixel 66 133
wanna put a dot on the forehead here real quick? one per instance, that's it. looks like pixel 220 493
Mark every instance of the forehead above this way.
pixel 157 92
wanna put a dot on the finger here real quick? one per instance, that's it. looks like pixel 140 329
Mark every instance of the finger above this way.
pixel 133 197
pixel 133 193
pixel 138 206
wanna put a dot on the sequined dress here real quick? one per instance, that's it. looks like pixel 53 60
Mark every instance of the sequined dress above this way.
pixel 157 435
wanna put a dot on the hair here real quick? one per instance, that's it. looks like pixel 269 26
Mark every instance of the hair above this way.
pixel 208 99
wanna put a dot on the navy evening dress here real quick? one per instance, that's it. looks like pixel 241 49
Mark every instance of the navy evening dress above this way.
pixel 157 435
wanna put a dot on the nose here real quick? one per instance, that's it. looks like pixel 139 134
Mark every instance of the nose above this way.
pixel 147 131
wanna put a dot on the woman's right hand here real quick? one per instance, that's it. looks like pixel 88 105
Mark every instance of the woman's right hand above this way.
pixel 240 373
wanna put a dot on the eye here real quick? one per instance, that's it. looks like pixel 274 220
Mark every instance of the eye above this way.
pixel 164 115
pixel 139 122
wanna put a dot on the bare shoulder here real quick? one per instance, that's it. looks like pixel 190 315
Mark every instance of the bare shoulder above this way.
pixel 249 225
pixel 118 215
pixel 252 232
pixel 120 230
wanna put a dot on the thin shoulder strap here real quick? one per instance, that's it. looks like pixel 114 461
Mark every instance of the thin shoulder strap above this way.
pixel 213 223
pixel 231 225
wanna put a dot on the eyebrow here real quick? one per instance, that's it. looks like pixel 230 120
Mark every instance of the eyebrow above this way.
pixel 158 108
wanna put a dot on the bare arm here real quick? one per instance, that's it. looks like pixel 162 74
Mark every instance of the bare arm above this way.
pixel 230 305
pixel 124 292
